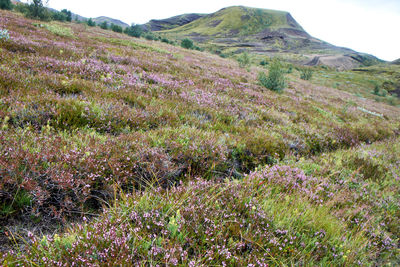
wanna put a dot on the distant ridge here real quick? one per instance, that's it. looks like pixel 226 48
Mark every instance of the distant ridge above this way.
pixel 396 62
pixel 101 19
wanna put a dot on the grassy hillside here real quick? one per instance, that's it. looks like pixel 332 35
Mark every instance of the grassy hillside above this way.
pixel 116 150
pixel 170 23
pixel 262 32
pixel 237 21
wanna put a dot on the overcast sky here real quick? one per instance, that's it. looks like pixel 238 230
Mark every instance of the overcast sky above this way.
pixel 370 26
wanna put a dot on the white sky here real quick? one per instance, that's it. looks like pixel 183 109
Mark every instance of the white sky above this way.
pixel 370 26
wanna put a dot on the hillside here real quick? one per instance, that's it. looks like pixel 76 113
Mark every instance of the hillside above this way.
pixel 265 32
pixel 110 21
pixel 170 23
pixel 118 150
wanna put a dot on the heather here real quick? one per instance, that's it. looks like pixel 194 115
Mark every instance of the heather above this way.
pixel 164 155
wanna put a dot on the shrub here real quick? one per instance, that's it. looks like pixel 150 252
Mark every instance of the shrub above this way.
pixel 244 60
pixel 165 40
pixel 68 14
pixel 197 48
pixel 376 90
pixel 275 80
pixel 264 62
pixel 6 4
pixel 91 23
pixel 36 10
pixel 134 31
pixel 187 43
pixel 306 74
pixel 104 25
pixel 116 28
pixel 150 37
pixel 58 16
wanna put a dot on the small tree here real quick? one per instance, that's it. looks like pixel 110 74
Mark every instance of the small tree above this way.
pixel 104 25
pixel 91 23
pixel 60 16
pixel 134 31
pixel 116 28
pixel 275 80
pixel 187 43
pixel 37 10
pixel 6 4
pixel 68 14
pixel 244 60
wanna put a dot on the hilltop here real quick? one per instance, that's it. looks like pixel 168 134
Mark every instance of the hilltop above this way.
pixel 110 21
pixel 265 32
pixel 117 150
pixel 171 23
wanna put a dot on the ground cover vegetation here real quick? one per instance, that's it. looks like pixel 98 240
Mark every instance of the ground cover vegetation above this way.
pixel 117 150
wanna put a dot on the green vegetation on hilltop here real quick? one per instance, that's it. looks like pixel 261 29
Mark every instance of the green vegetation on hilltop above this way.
pixel 236 20
pixel 167 156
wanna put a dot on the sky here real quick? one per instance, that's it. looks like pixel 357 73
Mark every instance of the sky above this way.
pixel 368 26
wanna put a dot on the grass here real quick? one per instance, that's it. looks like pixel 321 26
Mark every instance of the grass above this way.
pixel 145 152
pixel 59 30
pixel 230 20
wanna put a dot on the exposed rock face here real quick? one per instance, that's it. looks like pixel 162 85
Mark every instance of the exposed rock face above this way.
pixel 340 62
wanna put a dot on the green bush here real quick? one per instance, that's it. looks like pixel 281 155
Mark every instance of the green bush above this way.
pixel 91 23
pixel 116 28
pixel 6 4
pixel 275 80
pixel 187 43
pixel 36 10
pixel 134 31
pixel 104 25
pixel 244 60
pixel 165 40
pixel 60 16
pixel 150 37
pixel 68 14
pixel 264 62
pixel 306 74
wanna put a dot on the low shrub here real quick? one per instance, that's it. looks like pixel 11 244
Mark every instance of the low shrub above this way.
pixel 187 43
pixel 244 60
pixel 104 25
pixel 91 23
pixel 306 74
pixel 275 80
pixel 150 37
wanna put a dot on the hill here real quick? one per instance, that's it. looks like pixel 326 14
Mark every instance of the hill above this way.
pixel 396 62
pixel 170 23
pixel 117 150
pixel 110 21
pixel 265 32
